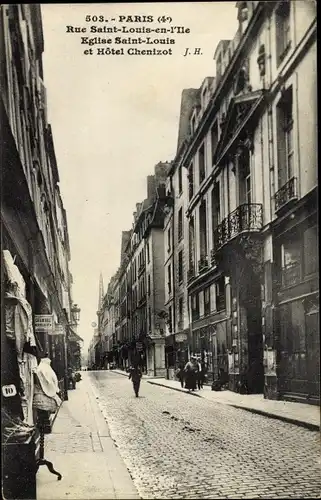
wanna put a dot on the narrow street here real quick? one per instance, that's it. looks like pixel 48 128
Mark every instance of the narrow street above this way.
pixel 178 446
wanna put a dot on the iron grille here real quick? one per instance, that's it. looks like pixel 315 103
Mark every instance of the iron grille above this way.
pixel 287 193
pixel 246 218
pixel 202 264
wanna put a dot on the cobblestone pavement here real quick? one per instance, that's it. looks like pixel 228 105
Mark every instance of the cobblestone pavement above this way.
pixel 178 446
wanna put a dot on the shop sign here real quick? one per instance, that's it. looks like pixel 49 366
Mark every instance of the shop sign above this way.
pixel 44 323
pixel 180 337
pixel 8 391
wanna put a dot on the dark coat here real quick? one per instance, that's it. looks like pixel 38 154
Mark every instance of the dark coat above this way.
pixel 135 374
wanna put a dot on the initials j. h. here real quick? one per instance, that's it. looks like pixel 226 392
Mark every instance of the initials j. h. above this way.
pixel 196 52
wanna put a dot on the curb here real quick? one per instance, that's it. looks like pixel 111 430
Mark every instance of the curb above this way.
pixel 119 373
pixel 299 423
pixel 289 420
pixel 174 388
pixel 125 374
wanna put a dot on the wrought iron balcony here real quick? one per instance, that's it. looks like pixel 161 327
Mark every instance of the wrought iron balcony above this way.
pixel 288 192
pixel 142 300
pixel 202 264
pixel 141 268
pixel 247 218
pixel 220 302
pixel 213 257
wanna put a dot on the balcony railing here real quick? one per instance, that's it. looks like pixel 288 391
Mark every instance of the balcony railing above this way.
pixel 220 302
pixel 287 193
pixel 202 264
pixel 141 268
pixel 142 300
pixel 246 218
pixel 213 258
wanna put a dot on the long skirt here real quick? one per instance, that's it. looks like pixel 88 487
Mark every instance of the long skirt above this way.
pixel 190 380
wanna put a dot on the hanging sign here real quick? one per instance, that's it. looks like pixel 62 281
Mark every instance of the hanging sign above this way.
pixel 180 337
pixel 44 323
pixel 58 330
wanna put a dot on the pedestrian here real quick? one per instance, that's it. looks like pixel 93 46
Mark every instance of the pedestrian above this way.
pixel 200 375
pixel 190 375
pixel 135 375
pixel 180 374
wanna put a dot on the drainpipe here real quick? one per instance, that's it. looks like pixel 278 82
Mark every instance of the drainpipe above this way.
pixel 270 130
pixel 190 325
pixel 173 265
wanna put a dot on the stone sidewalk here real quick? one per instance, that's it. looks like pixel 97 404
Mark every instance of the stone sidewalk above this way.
pixel 82 450
pixel 297 413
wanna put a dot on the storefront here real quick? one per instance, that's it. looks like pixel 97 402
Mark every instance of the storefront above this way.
pixel 19 352
pixel 296 341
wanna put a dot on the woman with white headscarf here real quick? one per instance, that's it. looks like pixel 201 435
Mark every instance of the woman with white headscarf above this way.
pixel 46 387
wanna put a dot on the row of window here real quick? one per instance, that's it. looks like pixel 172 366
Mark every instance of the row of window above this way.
pixel 285 121
pixel 180 272
pixel 220 304
pixel 139 263
pixel 180 230
pixel 220 300
pixel 299 256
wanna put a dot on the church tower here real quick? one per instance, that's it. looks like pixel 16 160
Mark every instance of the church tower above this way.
pixel 101 292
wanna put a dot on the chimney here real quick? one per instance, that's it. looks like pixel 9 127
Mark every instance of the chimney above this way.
pixel 189 99
pixel 161 170
pixel 151 186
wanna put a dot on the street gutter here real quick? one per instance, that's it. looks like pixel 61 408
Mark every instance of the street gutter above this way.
pixel 300 423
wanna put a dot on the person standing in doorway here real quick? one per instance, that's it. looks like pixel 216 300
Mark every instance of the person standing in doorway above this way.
pixel 200 375
pixel 180 374
pixel 135 375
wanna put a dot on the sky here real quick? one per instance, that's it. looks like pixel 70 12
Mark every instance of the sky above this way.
pixel 114 117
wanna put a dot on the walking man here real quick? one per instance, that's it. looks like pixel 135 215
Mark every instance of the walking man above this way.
pixel 135 375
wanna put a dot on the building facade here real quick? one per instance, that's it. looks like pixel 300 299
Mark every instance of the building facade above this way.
pixel 252 239
pixel 33 219
pixel 132 311
pixel 36 286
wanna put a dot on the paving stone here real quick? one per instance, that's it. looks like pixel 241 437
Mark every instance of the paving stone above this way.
pixel 183 447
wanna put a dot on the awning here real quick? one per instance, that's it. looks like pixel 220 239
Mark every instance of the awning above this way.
pixel 74 337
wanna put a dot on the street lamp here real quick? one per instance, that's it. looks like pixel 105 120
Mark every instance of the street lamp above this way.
pixel 69 354
pixel 75 311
